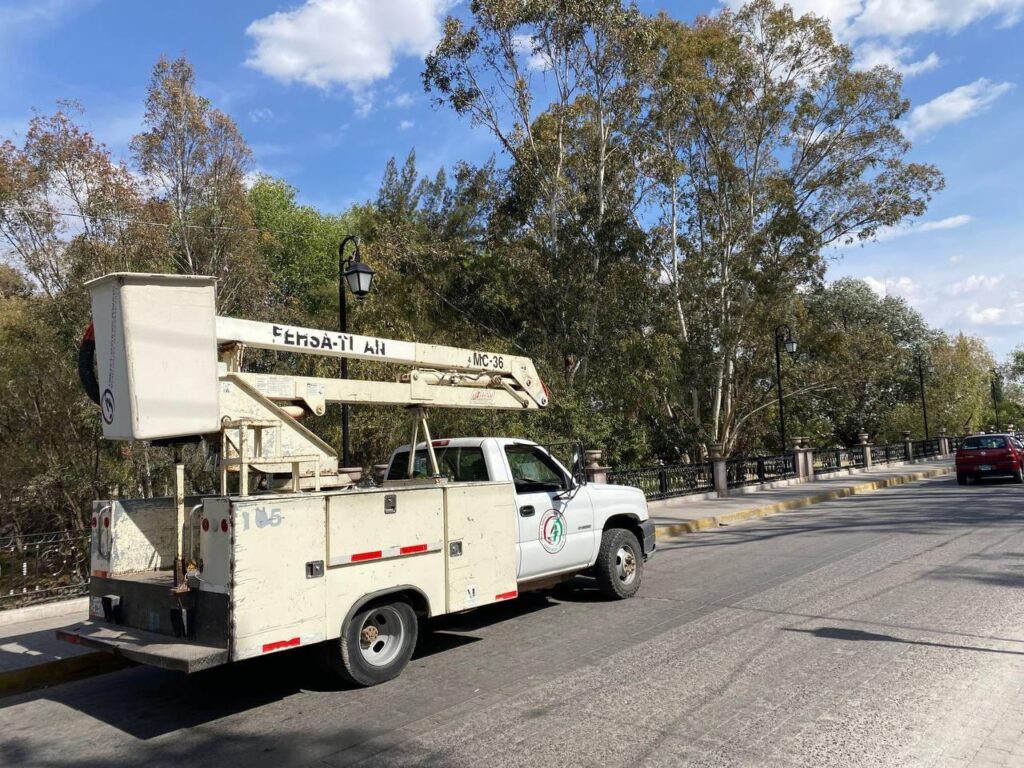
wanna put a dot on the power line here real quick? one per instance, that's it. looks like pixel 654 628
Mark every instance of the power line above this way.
pixel 143 222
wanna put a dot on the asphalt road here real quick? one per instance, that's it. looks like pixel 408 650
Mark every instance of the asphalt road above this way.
pixel 885 629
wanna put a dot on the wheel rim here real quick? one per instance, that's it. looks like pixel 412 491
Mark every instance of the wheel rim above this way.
pixel 626 564
pixel 381 636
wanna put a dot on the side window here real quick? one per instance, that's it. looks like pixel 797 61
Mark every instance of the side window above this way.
pixel 533 468
pixel 472 465
pixel 421 464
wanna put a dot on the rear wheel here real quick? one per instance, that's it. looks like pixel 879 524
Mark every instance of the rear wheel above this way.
pixel 376 645
pixel 1018 476
pixel 961 478
pixel 620 564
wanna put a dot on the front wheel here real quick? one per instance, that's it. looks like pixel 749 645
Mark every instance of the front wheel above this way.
pixel 376 645
pixel 620 564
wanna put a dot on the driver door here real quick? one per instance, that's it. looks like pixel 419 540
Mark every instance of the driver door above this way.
pixel 556 528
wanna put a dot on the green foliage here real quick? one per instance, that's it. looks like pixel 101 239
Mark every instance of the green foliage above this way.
pixel 660 209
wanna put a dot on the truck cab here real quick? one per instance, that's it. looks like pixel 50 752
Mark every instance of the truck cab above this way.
pixel 563 524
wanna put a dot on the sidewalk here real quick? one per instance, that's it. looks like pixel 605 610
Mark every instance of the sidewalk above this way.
pixel 31 656
pixel 678 516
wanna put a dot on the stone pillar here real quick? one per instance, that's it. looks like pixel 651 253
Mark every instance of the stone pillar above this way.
pixel 808 452
pixel 596 473
pixel 379 473
pixel 908 446
pixel 865 448
pixel 718 470
pixel 943 443
pixel 798 457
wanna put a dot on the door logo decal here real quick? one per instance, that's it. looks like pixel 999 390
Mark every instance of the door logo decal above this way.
pixel 552 531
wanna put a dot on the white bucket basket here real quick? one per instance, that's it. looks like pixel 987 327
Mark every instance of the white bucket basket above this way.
pixel 156 355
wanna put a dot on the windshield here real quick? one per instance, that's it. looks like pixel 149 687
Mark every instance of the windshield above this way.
pixel 985 442
pixel 533 469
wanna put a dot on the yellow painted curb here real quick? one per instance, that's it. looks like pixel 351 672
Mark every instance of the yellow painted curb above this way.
pixel 671 530
pixel 59 671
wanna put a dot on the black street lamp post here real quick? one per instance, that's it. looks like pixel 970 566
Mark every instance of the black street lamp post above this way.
pixel 921 361
pixel 359 277
pixel 997 394
pixel 790 344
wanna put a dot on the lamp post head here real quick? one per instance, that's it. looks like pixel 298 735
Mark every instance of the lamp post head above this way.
pixel 790 345
pixel 359 276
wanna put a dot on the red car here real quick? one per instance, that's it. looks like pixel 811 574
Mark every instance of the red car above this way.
pixel 990 456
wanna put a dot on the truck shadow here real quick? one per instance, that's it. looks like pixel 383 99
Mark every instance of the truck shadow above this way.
pixel 146 702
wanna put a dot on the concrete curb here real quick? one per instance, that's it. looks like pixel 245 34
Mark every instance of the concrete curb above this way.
pixel 59 671
pixel 671 530
pixel 45 611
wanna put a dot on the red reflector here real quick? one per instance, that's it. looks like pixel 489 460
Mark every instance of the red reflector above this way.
pixel 73 639
pixel 94 522
pixel 224 525
pixel 439 443
pixel 507 595
pixel 267 647
pixel 366 556
pixel 106 522
pixel 206 524
pixel 412 550
pixel 100 574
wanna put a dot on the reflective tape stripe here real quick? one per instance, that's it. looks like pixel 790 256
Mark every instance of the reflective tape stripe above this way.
pixel 507 595
pixel 384 554
pixel 267 647
pixel 366 556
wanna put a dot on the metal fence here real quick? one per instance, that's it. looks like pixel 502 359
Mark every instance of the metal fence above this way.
pixel 884 454
pixel 758 469
pixel 666 481
pixel 926 448
pixel 836 459
pixel 43 566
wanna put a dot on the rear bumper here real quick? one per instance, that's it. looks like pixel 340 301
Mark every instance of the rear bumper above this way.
pixel 144 647
pixel 1001 469
pixel 650 542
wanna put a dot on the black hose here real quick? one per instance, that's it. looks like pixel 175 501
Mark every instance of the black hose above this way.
pixel 86 365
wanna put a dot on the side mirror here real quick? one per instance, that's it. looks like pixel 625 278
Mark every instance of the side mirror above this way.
pixel 579 469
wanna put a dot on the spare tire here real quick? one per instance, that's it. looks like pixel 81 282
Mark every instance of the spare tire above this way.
pixel 87 365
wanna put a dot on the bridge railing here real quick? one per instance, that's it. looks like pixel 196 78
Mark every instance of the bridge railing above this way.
pixel 38 567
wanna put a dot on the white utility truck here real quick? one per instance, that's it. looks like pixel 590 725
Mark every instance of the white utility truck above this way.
pixel 292 552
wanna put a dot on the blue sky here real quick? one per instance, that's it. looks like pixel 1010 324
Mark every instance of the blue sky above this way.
pixel 327 90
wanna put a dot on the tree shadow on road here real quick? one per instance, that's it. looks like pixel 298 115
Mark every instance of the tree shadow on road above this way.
pixel 860 635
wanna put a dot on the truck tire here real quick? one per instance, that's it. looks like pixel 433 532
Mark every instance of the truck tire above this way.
pixel 620 564
pixel 376 645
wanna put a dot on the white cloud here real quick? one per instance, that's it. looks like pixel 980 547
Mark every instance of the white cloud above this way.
pixel 974 284
pixel 401 101
pixel 896 19
pixel 988 315
pixel 535 60
pixel 873 54
pixel 891 233
pixel 260 115
pixel 353 43
pixel 405 125
pixel 907 17
pixel 903 286
pixel 954 106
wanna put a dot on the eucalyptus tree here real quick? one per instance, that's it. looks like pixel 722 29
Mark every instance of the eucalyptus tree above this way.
pixel 549 79
pixel 768 146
